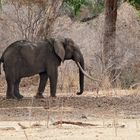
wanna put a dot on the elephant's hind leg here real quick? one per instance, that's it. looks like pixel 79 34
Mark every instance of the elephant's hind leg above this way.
pixel 42 84
pixel 10 90
pixel 16 90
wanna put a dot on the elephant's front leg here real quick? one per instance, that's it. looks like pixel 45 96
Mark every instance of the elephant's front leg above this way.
pixel 42 84
pixel 53 82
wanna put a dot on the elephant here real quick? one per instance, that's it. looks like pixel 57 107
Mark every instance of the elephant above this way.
pixel 24 58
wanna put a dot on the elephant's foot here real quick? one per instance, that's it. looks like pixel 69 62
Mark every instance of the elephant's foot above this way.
pixel 10 97
pixel 79 93
pixel 19 96
pixel 39 96
pixel 53 96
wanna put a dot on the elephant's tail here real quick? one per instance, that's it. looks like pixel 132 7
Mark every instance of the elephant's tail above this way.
pixel 0 66
pixel 1 61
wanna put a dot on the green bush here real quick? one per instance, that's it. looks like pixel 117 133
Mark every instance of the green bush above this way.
pixel 74 6
pixel 135 3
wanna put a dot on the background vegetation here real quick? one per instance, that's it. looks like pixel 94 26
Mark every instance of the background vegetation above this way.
pixel 75 8
pixel 31 19
pixel 135 3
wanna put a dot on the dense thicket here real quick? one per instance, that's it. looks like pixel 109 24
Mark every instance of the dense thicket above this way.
pixel 135 3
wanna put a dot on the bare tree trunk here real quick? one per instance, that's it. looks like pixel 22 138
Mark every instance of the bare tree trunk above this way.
pixel 0 4
pixel 109 37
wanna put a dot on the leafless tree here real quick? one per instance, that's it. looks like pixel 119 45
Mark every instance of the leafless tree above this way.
pixel 34 19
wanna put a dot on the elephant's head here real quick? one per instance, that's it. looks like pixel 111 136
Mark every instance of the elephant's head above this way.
pixel 66 49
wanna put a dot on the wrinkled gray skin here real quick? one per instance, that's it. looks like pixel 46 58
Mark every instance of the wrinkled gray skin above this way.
pixel 24 58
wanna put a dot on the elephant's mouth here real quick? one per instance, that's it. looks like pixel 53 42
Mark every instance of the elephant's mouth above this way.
pixel 85 73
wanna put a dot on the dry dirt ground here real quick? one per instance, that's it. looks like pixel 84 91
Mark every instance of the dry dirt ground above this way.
pixel 109 115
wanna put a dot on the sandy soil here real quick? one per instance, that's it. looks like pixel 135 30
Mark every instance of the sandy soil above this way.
pixel 109 115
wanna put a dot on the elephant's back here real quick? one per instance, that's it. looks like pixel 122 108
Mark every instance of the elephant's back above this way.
pixel 12 49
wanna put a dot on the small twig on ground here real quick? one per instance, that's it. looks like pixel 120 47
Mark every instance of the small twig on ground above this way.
pixel 74 123
pixel 30 111
pixel 48 113
pixel 61 112
pixel 115 123
pixel 103 120
pixel 7 128
pixel 25 135
pixel 22 126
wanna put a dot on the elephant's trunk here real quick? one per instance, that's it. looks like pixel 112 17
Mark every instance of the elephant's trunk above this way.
pixel 81 77
pixel 82 73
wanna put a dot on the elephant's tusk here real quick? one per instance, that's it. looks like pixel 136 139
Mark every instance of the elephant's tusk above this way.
pixel 87 75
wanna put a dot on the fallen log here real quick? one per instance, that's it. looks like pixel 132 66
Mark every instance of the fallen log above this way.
pixel 74 123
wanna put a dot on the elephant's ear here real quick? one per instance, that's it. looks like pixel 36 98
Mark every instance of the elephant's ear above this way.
pixel 59 49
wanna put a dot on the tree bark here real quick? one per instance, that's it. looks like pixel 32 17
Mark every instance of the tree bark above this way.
pixel 109 37
pixel 0 4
